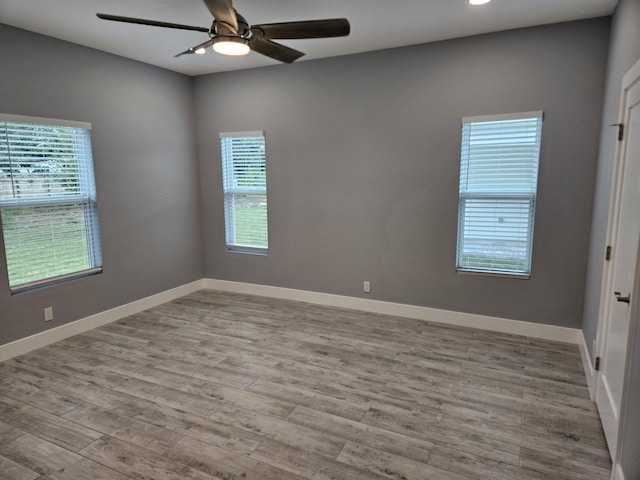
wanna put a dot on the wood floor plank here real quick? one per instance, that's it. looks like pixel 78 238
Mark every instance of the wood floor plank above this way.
pixel 493 385
pixel 23 370
pixel 382 463
pixel 280 430
pixel 570 440
pixel 214 461
pixel 309 398
pixel 416 386
pixel 410 422
pixel 51 427
pixel 44 399
pixel 220 434
pixel 200 391
pixel 501 436
pixel 251 363
pixel 264 471
pixel 10 470
pixel 480 447
pixel 489 405
pixel 562 465
pixel 104 397
pixel 86 469
pixel 39 455
pixel 8 433
pixel 318 368
pixel 208 373
pixel 569 426
pixel 168 396
pixel 307 464
pixel 363 434
pixel 573 376
pixel 138 462
pixel 124 428
pixel 237 387
pixel 478 468
pixel 466 405
pixel 559 393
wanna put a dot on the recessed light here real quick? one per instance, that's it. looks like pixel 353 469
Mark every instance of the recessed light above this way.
pixel 478 2
pixel 200 51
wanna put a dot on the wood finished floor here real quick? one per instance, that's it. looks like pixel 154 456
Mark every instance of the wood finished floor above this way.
pixel 221 386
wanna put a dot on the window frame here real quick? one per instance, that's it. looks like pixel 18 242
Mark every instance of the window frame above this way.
pixel 85 201
pixel 510 196
pixel 230 193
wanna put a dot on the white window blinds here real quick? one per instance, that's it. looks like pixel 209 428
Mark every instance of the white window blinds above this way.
pixel 47 200
pixel 498 182
pixel 244 180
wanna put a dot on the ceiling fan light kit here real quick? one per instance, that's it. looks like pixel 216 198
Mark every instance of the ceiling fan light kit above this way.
pixel 233 46
pixel 230 33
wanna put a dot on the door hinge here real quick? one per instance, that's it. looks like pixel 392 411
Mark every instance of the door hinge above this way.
pixel 607 255
pixel 597 365
pixel 620 130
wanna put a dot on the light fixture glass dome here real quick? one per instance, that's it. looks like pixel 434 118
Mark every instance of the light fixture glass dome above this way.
pixel 231 46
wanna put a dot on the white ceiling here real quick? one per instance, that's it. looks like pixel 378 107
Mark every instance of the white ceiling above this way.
pixel 375 24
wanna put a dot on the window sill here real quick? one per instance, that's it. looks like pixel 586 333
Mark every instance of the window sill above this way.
pixel 485 273
pixel 50 282
pixel 248 251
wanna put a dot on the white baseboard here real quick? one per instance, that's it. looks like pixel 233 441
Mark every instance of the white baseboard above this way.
pixel 495 324
pixel 617 473
pixel 587 365
pixel 482 322
pixel 42 339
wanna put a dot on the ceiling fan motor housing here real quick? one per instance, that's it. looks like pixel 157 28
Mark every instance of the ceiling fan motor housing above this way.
pixel 223 29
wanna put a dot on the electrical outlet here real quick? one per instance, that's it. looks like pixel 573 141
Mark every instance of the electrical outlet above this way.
pixel 366 287
pixel 48 314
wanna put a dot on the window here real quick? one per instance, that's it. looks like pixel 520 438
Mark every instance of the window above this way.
pixel 498 180
pixel 244 181
pixel 47 201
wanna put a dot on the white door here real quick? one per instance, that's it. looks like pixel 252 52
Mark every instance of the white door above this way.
pixel 621 304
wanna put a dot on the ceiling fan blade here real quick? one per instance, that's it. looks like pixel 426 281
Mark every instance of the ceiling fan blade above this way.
pixel 152 23
pixel 331 27
pixel 206 44
pixel 274 50
pixel 223 11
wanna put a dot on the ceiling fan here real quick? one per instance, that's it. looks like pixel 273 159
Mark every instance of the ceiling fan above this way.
pixel 230 34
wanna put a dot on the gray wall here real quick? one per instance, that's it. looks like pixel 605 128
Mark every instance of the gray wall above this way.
pixel 363 162
pixel 145 171
pixel 624 52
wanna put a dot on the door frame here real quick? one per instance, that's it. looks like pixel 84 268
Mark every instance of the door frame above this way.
pixel 630 79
